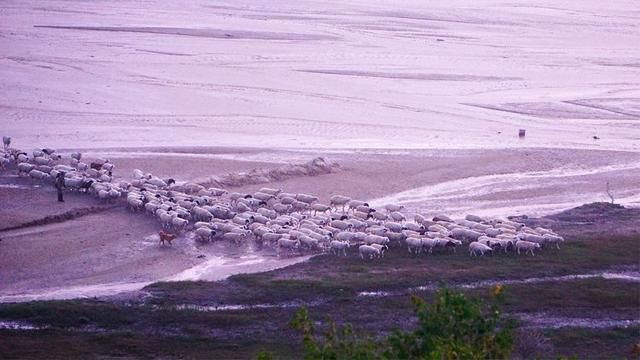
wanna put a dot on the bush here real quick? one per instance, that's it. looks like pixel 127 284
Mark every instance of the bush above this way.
pixel 453 327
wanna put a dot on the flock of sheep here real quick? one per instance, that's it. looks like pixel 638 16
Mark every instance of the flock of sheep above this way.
pixel 287 222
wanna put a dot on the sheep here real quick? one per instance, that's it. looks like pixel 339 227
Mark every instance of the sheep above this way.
pixel 242 207
pixel 368 251
pixel 284 195
pixel 375 239
pixel 271 238
pixel 419 219
pixel 263 196
pixel 165 217
pixel 323 238
pixel 554 239
pixel 205 233
pixel 268 213
pixel 465 234
pixel 292 245
pixel 344 236
pixel 299 206
pixel 393 208
pixel 476 247
pixel 236 238
pixel 37 174
pixel 25 168
pixel 485 240
pixel 447 243
pixel 493 232
pixel 151 207
pixel 220 212
pixel 42 161
pixel 339 200
pixel 379 216
pixel 338 247
pixel 287 200
pixel 155 181
pixel 474 218
pixel 306 198
pixel 441 217
pixel 397 216
pixel 76 155
pixel 309 242
pixel 378 230
pixel 320 208
pixel 429 244
pixel 216 191
pixel 527 246
pixel 415 244
pixel 271 191
pixel 239 220
pixel 397 237
pixel 6 141
pixel 394 226
pixel 414 227
pixel 361 215
pixel 342 225
pixel 201 214
pixel 532 238
pixel 381 248
pixel 505 244
pixel 438 228
pixel 357 204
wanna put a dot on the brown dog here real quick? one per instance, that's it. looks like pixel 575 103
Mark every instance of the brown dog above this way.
pixel 165 236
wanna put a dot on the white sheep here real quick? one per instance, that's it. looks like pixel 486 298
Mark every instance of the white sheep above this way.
pixel 356 204
pixel 381 248
pixel 263 196
pixel 368 251
pixel 38 175
pixel 397 216
pixel 42 161
pixel 415 244
pixel 339 200
pixel 476 247
pixel 271 191
pixel 25 168
pixel 338 247
pixel 527 246
pixel 320 208
pixel 205 233
pixel 554 239
pixel 375 239
pixel 292 245
pixel 306 198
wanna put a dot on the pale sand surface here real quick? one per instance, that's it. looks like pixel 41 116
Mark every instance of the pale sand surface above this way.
pixel 321 74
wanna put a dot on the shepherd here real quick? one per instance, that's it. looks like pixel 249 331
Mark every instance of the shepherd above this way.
pixel 60 185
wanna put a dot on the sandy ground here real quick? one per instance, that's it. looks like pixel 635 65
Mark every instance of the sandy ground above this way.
pixel 305 74
pixel 102 249
pixel 419 103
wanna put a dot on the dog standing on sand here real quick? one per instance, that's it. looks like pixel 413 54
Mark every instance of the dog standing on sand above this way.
pixel 166 237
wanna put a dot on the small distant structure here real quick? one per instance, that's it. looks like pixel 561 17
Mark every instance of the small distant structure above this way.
pixel 522 133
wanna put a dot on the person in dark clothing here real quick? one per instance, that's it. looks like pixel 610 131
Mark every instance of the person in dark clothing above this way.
pixel 60 185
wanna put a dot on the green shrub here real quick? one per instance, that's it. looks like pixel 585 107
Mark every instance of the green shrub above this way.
pixel 452 327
